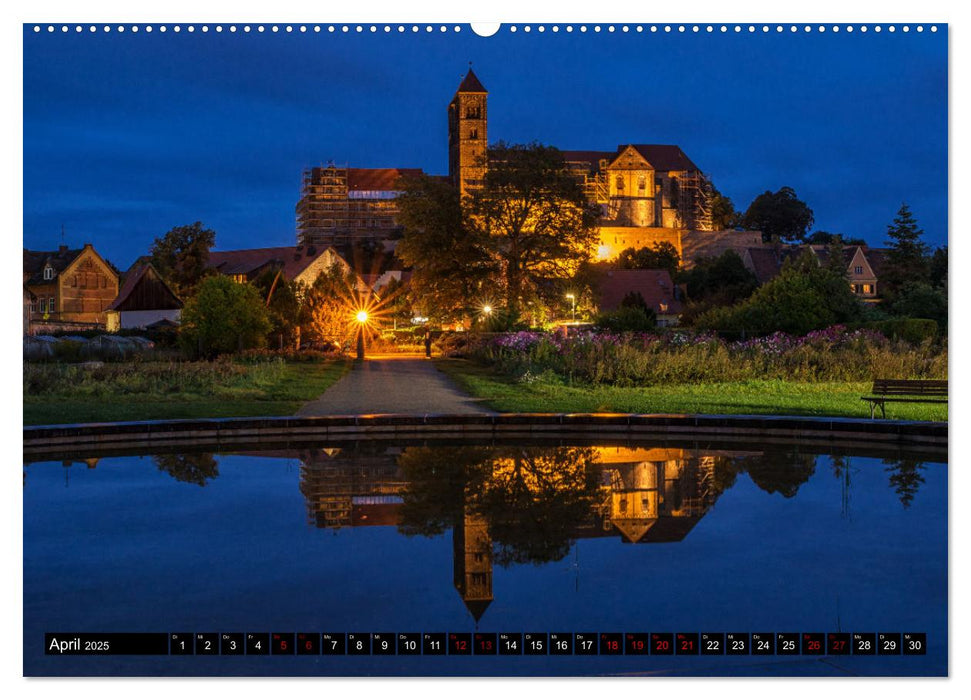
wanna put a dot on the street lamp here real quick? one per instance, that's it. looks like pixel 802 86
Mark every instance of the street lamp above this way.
pixel 361 320
pixel 573 299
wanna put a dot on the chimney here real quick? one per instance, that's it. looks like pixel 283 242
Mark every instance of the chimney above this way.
pixel 62 248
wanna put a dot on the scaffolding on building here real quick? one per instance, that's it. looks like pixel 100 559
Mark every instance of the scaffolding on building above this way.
pixel 695 196
pixel 323 212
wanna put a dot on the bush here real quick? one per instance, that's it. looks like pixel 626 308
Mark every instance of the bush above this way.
pixel 626 318
pixel 911 330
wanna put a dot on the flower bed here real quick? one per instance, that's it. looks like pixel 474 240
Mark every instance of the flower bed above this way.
pixel 633 359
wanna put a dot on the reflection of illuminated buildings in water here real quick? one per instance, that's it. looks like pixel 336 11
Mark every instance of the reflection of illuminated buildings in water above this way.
pixel 649 495
pixel 352 488
pixel 655 495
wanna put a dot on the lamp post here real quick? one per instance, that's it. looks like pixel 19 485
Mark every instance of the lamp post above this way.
pixel 361 320
pixel 573 300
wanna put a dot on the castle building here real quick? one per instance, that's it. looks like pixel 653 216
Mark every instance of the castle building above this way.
pixel 647 193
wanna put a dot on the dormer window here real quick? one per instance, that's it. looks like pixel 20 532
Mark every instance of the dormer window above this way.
pixel 48 273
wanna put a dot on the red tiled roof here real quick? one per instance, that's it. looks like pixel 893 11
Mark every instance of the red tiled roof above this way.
pixel 766 263
pixel 662 157
pixel 375 514
pixel 655 286
pixel 377 178
pixel 293 259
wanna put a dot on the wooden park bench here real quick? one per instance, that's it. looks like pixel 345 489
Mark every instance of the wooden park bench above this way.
pixel 905 391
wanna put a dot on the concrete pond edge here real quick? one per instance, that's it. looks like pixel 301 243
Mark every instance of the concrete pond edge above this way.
pixel 240 432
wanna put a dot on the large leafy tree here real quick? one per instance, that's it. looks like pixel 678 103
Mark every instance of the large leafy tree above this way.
pixel 451 263
pixel 223 316
pixel 182 256
pixel 780 216
pixel 534 220
pixel 326 311
pixel 723 214
pixel 907 254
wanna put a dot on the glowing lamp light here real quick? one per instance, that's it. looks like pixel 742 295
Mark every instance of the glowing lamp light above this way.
pixel 361 316
pixel 602 252
pixel 487 309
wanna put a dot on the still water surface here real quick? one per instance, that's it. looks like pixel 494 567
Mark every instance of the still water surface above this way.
pixel 386 538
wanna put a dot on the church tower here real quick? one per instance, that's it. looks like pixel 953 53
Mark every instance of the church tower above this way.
pixel 467 137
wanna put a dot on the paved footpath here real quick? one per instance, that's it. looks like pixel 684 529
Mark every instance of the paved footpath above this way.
pixel 392 384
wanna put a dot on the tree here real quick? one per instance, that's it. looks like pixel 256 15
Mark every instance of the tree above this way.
pixel 826 238
pixel 451 263
pixel 280 296
pixel 725 278
pixel 780 216
pixel 907 259
pixel 181 256
pixel 223 316
pixel 533 218
pixel 659 256
pixel 938 268
pixel 326 314
pixel 723 214
pixel 921 300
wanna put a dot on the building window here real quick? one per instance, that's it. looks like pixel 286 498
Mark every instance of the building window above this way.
pixel 619 182
pixel 473 133
pixel 868 289
pixel 858 270
pixel 48 273
pixel 641 183
pixel 50 305
pixel 473 112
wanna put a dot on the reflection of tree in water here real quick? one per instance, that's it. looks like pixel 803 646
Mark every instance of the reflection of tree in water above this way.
pixel 778 471
pixel 191 468
pixel 531 498
pixel 437 478
pixel 906 478
pixel 535 499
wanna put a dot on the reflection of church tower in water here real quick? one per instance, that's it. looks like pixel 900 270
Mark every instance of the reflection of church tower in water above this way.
pixel 472 562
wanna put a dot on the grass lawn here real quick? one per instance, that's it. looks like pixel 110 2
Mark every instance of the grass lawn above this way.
pixel 770 396
pixel 277 393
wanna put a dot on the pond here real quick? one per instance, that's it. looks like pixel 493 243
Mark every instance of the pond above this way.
pixel 599 545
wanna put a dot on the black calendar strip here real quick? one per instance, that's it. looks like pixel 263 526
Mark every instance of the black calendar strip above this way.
pixel 487 643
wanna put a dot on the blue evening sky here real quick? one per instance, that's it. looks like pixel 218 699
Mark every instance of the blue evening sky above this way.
pixel 127 135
